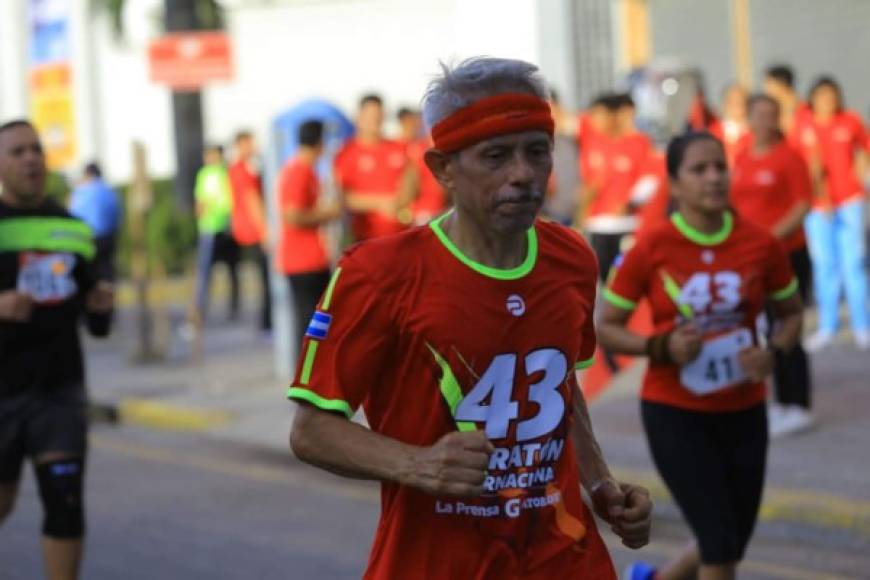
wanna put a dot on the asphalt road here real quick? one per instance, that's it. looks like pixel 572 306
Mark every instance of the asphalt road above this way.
pixel 180 506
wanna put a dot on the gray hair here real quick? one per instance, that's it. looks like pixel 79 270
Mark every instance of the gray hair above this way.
pixel 477 78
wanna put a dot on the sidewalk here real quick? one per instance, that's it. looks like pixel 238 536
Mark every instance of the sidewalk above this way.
pixel 817 481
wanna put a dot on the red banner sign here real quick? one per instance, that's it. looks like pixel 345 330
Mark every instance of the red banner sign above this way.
pixel 189 60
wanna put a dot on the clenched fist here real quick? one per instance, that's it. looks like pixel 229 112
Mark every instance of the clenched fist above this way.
pixel 684 344
pixel 757 362
pixel 455 465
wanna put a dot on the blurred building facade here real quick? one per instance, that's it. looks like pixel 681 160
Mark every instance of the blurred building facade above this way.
pixel 289 50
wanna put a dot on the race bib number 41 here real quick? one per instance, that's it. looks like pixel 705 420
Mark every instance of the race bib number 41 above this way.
pixel 718 365
pixel 47 278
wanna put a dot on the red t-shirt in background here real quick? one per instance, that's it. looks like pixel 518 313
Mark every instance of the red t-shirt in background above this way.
pixel 592 144
pixel 505 343
pixel 247 228
pixel 371 169
pixel 836 144
pixel 302 249
pixel 723 283
pixel 431 199
pixel 765 188
pixel 625 159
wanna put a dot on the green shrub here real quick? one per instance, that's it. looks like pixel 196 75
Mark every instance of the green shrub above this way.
pixel 170 230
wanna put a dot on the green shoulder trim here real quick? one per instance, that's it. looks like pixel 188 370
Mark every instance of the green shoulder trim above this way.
pixel 584 364
pixel 327 296
pixel 47 234
pixel 618 300
pixel 450 389
pixel 301 394
pixel 497 273
pixel 786 292
pixel 701 238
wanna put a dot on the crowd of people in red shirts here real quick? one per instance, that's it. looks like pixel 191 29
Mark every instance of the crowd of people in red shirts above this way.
pixel 797 168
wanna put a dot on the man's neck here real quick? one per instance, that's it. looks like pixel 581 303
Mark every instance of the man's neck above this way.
pixel 368 139
pixel 307 155
pixel 705 222
pixel 502 251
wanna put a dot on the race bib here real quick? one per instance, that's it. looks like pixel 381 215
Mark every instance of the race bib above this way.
pixel 717 366
pixel 47 278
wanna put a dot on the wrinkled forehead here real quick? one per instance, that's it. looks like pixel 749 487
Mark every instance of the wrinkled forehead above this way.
pixel 521 139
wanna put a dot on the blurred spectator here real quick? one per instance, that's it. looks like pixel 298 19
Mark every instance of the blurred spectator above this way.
pixel 302 255
pixel 96 203
pixel 369 171
pixel 834 141
pixel 771 187
pixel 732 128
pixel 594 127
pixel 563 199
pixel 214 201
pixel 410 125
pixel 779 83
pixel 610 189
pixel 249 216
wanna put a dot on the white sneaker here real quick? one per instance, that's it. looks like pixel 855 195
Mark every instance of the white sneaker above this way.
pixel 777 421
pixel 793 420
pixel 818 341
pixel 862 339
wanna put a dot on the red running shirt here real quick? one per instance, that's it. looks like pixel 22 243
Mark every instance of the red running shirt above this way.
pixel 721 283
pixel 376 170
pixel 765 188
pixel 302 248
pixel 625 160
pixel 835 144
pixel 429 342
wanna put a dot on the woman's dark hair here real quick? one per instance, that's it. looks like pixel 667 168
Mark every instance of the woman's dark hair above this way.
pixel 831 83
pixel 679 145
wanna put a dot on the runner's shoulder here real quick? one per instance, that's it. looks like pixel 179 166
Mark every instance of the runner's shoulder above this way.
pixel 389 258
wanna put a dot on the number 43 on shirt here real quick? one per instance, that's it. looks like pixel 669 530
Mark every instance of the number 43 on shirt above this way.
pixel 491 399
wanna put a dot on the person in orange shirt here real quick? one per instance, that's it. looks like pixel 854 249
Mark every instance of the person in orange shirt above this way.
pixel 707 275
pixel 369 171
pixel 248 218
pixel 418 184
pixel 771 187
pixel 302 255
pixel 835 142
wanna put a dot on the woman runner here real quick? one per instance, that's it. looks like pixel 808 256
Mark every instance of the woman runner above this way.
pixel 707 274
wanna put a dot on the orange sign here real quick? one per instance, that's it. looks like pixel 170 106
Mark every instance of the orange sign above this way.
pixel 188 60
pixel 52 111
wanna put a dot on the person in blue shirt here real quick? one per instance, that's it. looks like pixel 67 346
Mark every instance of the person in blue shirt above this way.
pixel 96 203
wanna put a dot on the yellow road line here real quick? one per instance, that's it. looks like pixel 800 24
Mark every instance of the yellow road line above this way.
pixel 157 415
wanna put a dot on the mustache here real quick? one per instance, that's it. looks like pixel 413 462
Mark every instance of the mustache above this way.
pixel 530 196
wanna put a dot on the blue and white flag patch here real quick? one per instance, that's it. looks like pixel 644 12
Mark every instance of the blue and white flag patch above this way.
pixel 319 326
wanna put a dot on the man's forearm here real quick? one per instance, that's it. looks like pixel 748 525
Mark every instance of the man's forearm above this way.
pixel 792 221
pixel 348 449
pixel 590 460
pixel 368 202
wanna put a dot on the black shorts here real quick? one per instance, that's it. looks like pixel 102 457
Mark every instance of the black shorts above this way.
pixel 35 423
pixel 713 465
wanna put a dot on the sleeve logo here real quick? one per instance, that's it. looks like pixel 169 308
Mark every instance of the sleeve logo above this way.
pixel 318 328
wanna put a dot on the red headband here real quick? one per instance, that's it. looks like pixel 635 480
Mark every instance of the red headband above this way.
pixel 491 117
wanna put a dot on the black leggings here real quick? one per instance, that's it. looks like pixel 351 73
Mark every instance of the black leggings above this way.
pixel 791 371
pixel 607 249
pixel 713 465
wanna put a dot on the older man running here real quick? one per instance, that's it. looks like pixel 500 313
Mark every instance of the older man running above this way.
pixel 461 340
